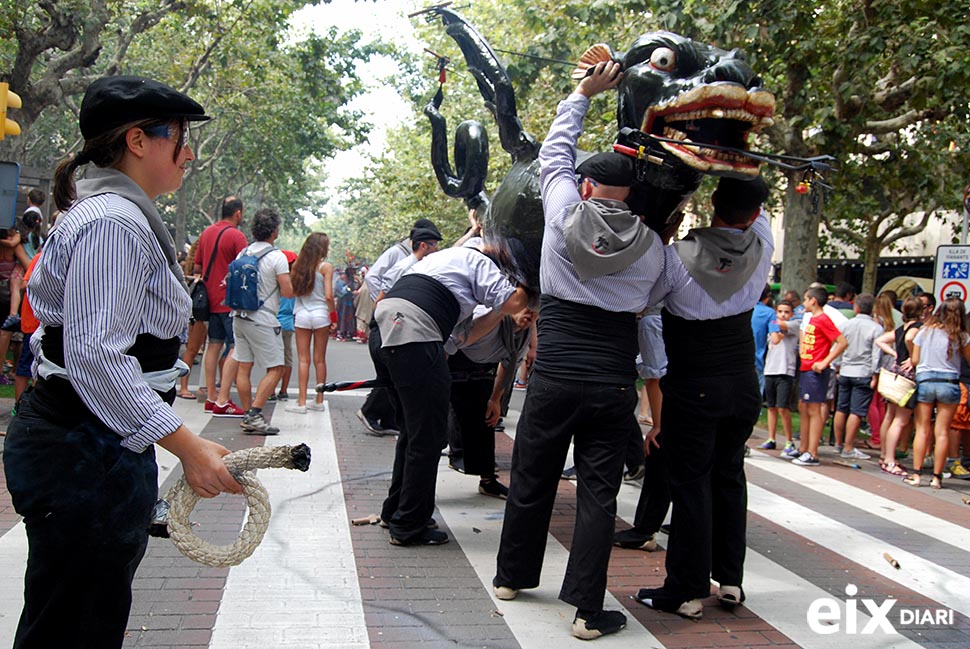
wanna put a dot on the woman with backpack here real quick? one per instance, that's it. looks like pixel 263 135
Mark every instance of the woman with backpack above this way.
pixel 314 314
pixel 79 455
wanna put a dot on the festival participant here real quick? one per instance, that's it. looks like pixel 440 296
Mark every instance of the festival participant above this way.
pixel 598 265
pixel 377 414
pixel 476 390
pixel 108 365
pixel 711 281
pixel 415 318
pixel 937 349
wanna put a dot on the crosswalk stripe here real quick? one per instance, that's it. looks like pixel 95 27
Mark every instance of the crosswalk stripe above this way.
pixel 873 503
pixel 285 595
pixel 936 582
pixel 537 616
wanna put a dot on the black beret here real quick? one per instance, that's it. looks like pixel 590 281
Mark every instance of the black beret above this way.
pixel 609 168
pixel 113 101
pixel 423 223
pixel 425 234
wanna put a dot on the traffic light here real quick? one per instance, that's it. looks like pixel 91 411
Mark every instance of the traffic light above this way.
pixel 8 100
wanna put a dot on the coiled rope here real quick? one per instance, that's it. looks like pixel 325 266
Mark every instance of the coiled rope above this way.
pixel 242 464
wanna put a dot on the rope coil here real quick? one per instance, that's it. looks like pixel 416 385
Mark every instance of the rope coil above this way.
pixel 241 464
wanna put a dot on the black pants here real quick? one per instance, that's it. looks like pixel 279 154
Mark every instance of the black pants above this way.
pixel 422 383
pixel 86 503
pixel 378 405
pixel 597 418
pixel 633 459
pixel 705 425
pixel 469 402
pixel 655 494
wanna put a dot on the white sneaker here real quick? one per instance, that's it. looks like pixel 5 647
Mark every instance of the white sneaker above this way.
pixel 854 454
pixel 317 407
pixel 300 410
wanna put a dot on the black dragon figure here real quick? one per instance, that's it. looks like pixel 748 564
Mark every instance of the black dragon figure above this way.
pixel 683 108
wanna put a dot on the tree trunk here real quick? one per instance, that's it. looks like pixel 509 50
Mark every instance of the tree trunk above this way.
pixel 800 263
pixel 873 248
pixel 180 210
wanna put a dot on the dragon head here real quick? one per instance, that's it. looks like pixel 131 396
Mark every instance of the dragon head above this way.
pixel 693 93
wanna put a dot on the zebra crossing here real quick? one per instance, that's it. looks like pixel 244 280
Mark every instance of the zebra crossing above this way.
pixel 818 539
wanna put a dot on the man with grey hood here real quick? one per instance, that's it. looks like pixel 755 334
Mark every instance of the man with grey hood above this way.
pixel 598 265
pixel 712 279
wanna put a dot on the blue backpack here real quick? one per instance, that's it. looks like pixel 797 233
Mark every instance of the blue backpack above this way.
pixel 242 282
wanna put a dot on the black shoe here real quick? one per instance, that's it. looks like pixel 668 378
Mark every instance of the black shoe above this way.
pixel 493 488
pixel 432 523
pixel 569 474
pixel 457 464
pixel 589 626
pixel 635 475
pixel 371 427
pixel 283 396
pixel 662 600
pixel 499 427
pixel 427 537
pixel 635 540
pixel 665 528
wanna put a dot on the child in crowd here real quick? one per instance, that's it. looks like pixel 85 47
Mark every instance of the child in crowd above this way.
pixel 781 361
pixel 821 343
pixel 285 317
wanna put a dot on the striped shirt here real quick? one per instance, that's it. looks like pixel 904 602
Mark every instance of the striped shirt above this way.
pixel 471 277
pixel 388 258
pixel 625 291
pixel 394 272
pixel 686 299
pixel 103 277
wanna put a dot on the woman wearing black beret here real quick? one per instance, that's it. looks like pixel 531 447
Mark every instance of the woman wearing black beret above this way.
pixel 79 455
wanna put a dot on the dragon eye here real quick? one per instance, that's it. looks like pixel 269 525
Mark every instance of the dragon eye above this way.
pixel 663 59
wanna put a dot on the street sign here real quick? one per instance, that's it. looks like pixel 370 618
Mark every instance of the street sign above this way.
pixel 9 178
pixel 951 275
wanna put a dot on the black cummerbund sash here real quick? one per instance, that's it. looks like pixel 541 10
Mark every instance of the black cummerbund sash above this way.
pixel 56 394
pixel 704 348
pixel 432 297
pixel 578 342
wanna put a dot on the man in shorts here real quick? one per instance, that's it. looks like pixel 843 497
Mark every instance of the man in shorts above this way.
pixel 858 375
pixel 258 333
pixel 218 245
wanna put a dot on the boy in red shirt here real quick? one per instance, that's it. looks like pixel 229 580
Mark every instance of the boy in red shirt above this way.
pixel 821 343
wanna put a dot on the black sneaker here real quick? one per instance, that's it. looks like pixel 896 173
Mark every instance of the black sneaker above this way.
pixel 372 427
pixel 662 600
pixel 589 626
pixel 569 474
pixel 256 424
pixel 665 528
pixel 457 464
pixel 635 475
pixel 493 488
pixel 282 396
pixel 428 537
pixel 635 540
pixel 432 523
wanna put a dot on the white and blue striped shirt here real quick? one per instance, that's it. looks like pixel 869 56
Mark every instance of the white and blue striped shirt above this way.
pixel 686 298
pixel 103 277
pixel 388 259
pixel 625 291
